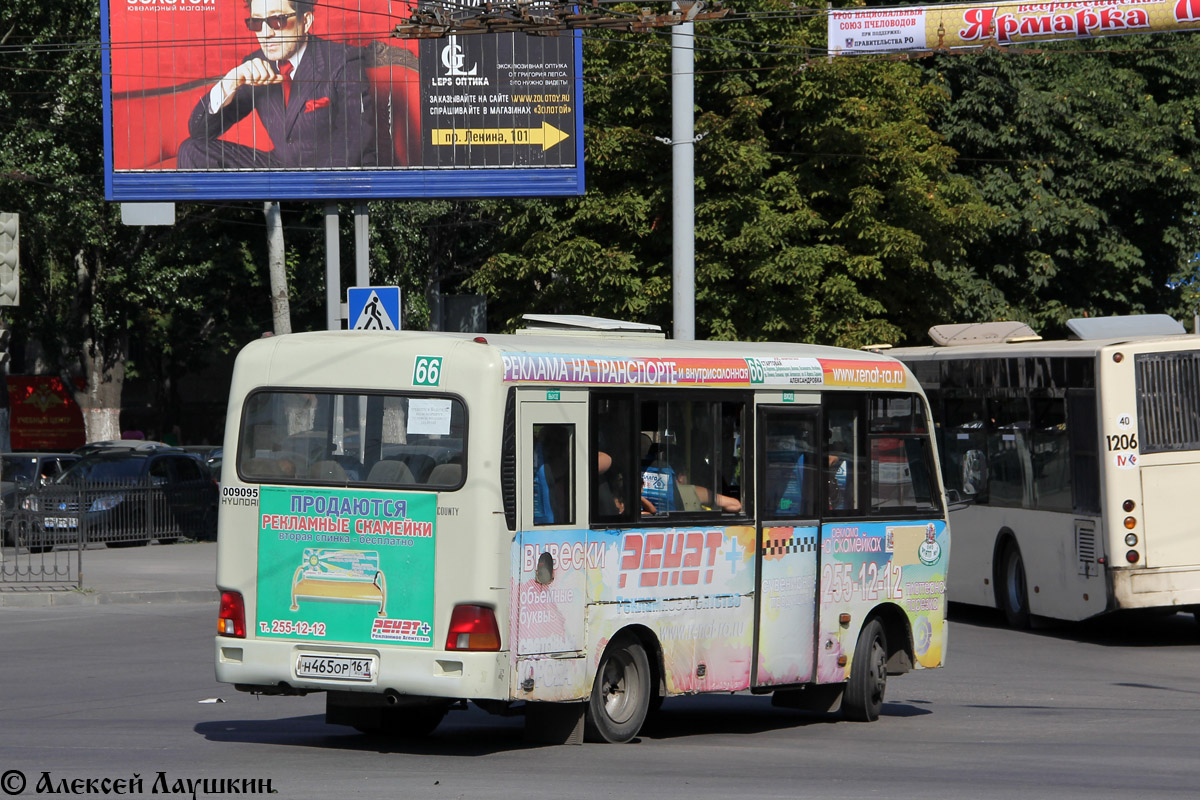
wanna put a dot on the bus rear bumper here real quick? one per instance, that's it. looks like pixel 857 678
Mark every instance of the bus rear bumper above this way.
pixel 1162 587
pixel 271 664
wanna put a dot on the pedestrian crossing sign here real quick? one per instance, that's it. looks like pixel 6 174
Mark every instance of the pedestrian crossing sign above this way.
pixel 373 308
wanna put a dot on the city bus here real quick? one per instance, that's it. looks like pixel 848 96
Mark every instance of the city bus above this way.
pixel 574 522
pixel 1072 467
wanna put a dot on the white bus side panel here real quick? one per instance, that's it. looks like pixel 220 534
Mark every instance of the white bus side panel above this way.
pixel 1060 584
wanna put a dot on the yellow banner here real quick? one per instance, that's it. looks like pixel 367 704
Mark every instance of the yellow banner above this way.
pixel 918 28
pixel 547 136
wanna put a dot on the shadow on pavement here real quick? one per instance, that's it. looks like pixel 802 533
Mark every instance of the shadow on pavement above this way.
pixel 1151 628
pixel 474 732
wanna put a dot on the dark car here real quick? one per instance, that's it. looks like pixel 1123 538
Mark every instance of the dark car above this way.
pixel 124 496
pixel 22 473
pixel 117 444
pixel 210 454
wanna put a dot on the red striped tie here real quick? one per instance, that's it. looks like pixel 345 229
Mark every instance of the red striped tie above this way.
pixel 285 69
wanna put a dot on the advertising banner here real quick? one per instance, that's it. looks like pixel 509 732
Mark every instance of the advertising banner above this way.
pixel 865 563
pixel 340 566
pixel 957 26
pixel 789 371
pixel 43 414
pixel 293 99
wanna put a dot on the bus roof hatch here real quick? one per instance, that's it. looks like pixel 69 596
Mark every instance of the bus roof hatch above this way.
pixel 1125 327
pixel 582 324
pixel 967 333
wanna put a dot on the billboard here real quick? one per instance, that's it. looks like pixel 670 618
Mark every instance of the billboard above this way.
pixel 43 414
pixel 293 99
pixel 956 26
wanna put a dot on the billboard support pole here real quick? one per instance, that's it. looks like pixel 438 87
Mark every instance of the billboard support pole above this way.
pixel 683 223
pixel 333 270
pixel 362 268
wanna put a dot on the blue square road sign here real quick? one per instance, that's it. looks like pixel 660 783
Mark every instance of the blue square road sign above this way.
pixel 373 308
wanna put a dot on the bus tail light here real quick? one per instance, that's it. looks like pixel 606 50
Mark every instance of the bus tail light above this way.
pixel 231 620
pixel 1130 523
pixel 473 628
pixel 1132 556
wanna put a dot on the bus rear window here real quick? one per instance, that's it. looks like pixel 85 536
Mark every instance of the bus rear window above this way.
pixel 342 439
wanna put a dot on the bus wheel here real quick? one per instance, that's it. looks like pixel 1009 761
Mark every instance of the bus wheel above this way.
pixel 863 697
pixel 621 693
pixel 1014 597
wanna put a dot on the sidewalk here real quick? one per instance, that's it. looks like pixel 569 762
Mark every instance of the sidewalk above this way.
pixel 175 573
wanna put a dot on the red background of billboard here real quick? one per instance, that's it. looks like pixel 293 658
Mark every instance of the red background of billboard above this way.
pixel 158 47
pixel 43 415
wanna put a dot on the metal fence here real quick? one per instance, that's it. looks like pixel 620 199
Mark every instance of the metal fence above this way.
pixel 46 529
pixel 22 569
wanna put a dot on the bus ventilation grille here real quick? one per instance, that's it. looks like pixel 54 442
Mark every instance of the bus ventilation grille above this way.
pixel 1168 398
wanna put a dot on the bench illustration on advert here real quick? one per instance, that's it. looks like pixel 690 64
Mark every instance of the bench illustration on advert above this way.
pixel 350 576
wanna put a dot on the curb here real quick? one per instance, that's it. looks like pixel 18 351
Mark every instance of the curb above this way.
pixel 87 597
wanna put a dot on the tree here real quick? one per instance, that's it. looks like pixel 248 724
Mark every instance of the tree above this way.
pixel 1085 152
pixel 825 202
pixel 96 292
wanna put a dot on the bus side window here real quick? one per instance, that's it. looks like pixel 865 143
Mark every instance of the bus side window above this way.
pixel 901 461
pixel 613 497
pixel 791 467
pixel 841 461
pixel 553 482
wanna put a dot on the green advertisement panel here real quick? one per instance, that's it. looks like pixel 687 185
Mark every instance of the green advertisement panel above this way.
pixel 346 566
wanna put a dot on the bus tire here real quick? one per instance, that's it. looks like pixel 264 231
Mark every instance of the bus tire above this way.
pixel 621 692
pixel 1011 587
pixel 863 697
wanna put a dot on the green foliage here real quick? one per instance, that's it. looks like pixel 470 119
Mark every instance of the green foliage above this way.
pixel 96 294
pixel 825 202
pixel 841 201
pixel 1085 154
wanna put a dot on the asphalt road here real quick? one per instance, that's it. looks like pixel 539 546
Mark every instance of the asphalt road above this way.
pixel 1107 710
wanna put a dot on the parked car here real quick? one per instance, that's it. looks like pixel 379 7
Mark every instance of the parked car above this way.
pixel 124 496
pixel 22 473
pixel 117 444
pixel 210 454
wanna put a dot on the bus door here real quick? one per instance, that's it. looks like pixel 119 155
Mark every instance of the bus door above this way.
pixel 787 501
pixel 552 549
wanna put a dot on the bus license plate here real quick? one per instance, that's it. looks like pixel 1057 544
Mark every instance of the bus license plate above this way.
pixel 335 668
pixel 62 522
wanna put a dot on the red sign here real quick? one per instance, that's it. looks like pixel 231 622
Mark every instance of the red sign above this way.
pixel 43 415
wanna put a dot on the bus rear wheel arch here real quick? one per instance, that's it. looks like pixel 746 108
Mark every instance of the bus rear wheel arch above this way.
pixel 621 692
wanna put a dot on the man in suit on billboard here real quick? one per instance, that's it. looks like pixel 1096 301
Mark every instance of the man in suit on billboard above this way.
pixel 311 94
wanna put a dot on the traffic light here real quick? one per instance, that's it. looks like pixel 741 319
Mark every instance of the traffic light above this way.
pixel 10 261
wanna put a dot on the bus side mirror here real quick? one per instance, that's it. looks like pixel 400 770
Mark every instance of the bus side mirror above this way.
pixel 956 502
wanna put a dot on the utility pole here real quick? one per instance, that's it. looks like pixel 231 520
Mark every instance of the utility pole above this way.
pixel 551 17
pixel 683 173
